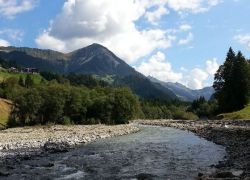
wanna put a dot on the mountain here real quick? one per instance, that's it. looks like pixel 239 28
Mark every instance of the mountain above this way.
pixel 145 88
pixel 184 93
pixel 95 60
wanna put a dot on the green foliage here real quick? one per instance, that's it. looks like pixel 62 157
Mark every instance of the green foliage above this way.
pixel 232 83
pixel 203 108
pixel 75 79
pixel 8 64
pixel 29 82
pixel 125 105
pixel 4 75
pixel 166 110
pixel 243 114
pixel 64 104
pixel 144 88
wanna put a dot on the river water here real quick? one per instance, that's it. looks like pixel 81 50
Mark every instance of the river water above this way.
pixel 152 153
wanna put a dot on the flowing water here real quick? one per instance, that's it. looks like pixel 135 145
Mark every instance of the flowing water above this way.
pixel 152 153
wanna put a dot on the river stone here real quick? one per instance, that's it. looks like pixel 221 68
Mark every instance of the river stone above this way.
pixel 145 176
pixel 237 172
pixel 224 174
pixel 4 173
pixel 54 147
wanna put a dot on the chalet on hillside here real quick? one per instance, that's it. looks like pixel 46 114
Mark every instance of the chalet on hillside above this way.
pixel 30 70
pixel 13 70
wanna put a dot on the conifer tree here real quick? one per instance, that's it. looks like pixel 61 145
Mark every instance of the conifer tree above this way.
pixel 232 82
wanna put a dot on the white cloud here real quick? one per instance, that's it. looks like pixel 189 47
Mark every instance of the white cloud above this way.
pixel 243 39
pixel 106 22
pixel 192 6
pixel 187 40
pixel 158 67
pixel 10 8
pixel 112 23
pixel 196 78
pixel 154 16
pixel 185 27
pixel 50 42
pixel 4 43
pixel 212 66
pixel 12 34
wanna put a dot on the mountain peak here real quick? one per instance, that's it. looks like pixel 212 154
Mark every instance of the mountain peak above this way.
pixel 96 47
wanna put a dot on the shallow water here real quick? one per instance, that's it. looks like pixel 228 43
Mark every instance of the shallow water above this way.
pixel 152 153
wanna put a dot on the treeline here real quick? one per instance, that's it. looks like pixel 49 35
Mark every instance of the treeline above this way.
pixel 57 101
pixel 8 64
pixel 232 88
pixel 160 109
pixel 204 109
pixel 66 104
pixel 75 79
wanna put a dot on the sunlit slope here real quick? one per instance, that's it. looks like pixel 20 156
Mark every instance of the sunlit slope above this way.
pixel 5 109
pixel 242 114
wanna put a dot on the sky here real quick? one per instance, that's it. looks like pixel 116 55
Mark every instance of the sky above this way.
pixel 181 41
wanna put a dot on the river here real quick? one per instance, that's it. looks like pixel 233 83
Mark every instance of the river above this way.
pixel 152 153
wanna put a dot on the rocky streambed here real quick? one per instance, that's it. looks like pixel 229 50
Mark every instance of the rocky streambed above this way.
pixel 232 134
pixel 22 143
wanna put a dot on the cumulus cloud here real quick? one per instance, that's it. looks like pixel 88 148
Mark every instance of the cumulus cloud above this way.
pixel 158 67
pixel 193 6
pixel 185 27
pixel 212 66
pixel 154 16
pixel 186 40
pixel 10 8
pixel 112 23
pixel 12 34
pixel 243 39
pixel 106 22
pixel 196 78
pixel 4 43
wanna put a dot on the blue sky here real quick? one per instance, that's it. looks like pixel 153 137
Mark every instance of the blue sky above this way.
pixel 173 40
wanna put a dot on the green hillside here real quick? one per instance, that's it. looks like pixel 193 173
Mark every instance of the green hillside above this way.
pixel 5 75
pixel 242 114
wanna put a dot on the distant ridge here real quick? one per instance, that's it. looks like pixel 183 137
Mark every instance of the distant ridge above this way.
pixel 94 60
pixel 184 93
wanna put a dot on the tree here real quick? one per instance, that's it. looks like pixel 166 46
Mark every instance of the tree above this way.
pixel 27 106
pixel 21 81
pixel 29 82
pixel 54 96
pixel 76 105
pixel 231 82
pixel 241 82
pixel 126 106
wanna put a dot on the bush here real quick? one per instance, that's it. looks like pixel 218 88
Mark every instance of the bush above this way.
pixel 66 121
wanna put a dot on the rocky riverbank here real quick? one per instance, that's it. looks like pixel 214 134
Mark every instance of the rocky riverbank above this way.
pixel 23 143
pixel 233 135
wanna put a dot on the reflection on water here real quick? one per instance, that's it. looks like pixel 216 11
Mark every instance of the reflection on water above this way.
pixel 153 153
